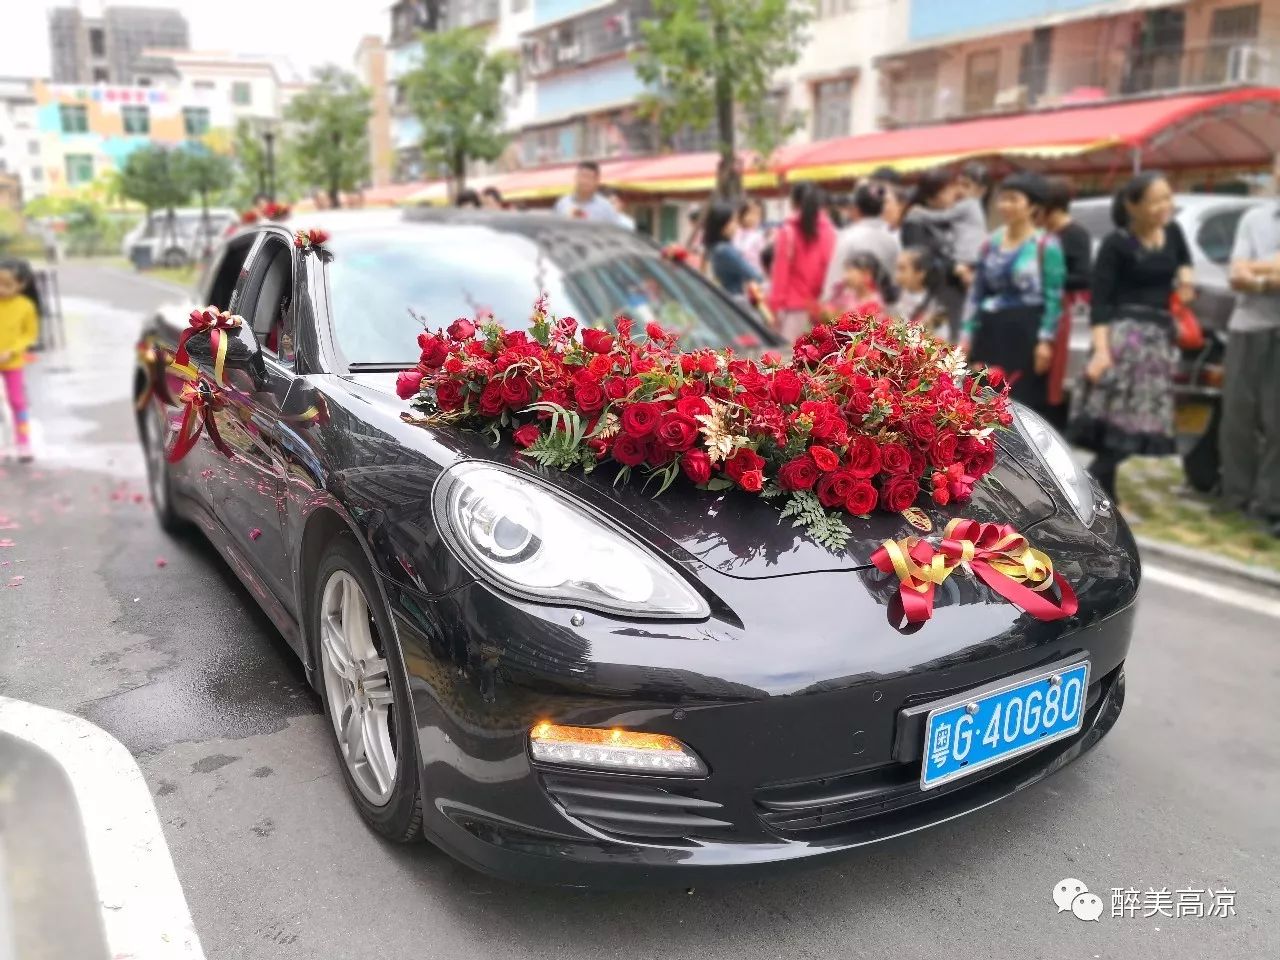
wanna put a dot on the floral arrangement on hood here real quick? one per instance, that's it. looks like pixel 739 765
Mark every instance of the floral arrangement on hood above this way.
pixel 869 414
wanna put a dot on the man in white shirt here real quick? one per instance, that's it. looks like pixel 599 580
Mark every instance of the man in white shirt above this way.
pixel 867 234
pixel 586 202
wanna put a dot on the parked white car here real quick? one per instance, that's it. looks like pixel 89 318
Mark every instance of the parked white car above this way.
pixel 167 241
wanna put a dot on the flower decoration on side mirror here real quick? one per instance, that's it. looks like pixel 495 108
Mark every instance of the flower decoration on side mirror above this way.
pixel 676 252
pixel 313 239
pixel 219 324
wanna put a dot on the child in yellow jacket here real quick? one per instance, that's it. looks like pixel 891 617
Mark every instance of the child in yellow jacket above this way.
pixel 19 328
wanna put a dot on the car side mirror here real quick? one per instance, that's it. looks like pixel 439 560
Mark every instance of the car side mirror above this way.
pixel 243 352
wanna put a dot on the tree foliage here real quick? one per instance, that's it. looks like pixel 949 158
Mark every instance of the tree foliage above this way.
pixel 330 143
pixel 154 176
pixel 712 62
pixel 456 94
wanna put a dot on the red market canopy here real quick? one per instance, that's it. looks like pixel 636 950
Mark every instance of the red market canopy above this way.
pixel 1237 128
pixel 688 173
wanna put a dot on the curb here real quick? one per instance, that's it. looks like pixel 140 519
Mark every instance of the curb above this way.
pixel 144 913
pixel 1187 557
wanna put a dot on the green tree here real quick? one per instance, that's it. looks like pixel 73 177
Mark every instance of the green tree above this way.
pixel 330 145
pixel 713 61
pixel 207 174
pixel 456 94
pixel 250 154
pixel 155 177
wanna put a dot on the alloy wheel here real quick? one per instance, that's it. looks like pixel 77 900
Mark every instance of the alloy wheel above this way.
pixel 154 425
pixel 358 687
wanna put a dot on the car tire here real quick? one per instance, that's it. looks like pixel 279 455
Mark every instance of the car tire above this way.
pixel 366 695
pixel 174 258
pixel 159 481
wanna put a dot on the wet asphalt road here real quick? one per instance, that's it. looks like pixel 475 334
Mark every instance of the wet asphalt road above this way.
pixel 153 639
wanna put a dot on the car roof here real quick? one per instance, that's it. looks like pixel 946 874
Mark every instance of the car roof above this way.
pixel 410 219
pixel 1183 201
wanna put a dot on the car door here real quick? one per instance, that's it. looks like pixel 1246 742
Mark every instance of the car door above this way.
pixel 250 503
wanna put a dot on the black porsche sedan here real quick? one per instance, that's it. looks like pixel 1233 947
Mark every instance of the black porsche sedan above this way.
pixel 647 690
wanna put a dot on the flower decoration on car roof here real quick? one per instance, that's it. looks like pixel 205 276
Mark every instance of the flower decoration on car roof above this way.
pixel 313 239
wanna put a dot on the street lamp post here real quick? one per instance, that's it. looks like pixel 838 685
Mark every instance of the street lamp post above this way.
pixel 269 138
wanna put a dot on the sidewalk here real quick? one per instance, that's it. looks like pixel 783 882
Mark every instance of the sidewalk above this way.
pixel 84 869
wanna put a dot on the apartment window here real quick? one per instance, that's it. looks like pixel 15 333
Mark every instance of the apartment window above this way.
pixel 832 106
pixel 1230 56
pixel 241 93
pixel 79 168
pixel 195 121
pixel 143 81
pixel 519 6
pixel 981 80
pixel 101 75
pixel 97 43
pixel 75 119
pixel 203 85
pixel 37 173
pixel 833 8
pixel 137 120
pixel 1033 63
pixel 33 147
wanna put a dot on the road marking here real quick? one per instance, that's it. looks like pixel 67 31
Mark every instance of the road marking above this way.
pixel 144 912
pixel 1266 605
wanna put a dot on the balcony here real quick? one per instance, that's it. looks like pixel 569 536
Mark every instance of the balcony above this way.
pixel 472 13
pixel 595 35
pixel 410 17
pixel 912 93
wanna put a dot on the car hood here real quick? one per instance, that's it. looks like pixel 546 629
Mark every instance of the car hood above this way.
pixel 743 536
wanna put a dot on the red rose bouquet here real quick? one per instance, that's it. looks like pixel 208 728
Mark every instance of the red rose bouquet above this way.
pixel 870 413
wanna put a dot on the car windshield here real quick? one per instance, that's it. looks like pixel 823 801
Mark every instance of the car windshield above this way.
pixel 380 282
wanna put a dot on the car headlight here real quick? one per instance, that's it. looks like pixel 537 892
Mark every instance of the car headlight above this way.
pixel 1073 479
pixel 528 541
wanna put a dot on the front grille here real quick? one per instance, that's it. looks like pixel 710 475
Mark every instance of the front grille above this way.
pixel 797 808
pixel 631 809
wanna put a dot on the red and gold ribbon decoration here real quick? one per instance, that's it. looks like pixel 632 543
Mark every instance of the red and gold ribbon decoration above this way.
pixel 151 357
pixel 219 324
pixel 199 402
pixel 1002 558
pixel 997 554
pixel 920 568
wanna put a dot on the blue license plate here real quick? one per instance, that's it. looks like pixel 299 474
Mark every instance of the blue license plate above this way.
pixel 967 735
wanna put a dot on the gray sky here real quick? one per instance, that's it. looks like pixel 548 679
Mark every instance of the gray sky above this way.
pixel 306 32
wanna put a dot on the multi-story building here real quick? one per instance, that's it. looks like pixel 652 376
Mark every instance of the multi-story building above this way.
pixel 409 20
pixel 965 60
pixel 19 137
pixel 371 68
pixel 173 97
pixel 106 49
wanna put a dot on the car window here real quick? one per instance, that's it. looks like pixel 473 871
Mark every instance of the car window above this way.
pixel 380 281
pixel 265 301
pixel 1094 216
pixel 1217 234
pixel 220 280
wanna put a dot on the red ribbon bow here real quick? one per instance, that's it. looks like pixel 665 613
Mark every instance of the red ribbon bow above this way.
pixel 199 403
pixel 218 324
pixel 997 554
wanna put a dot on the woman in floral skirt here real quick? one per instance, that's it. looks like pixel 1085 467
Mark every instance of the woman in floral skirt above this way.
pixel 1126 406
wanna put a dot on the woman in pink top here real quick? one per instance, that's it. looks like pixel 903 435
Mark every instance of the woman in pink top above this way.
pixel 800 257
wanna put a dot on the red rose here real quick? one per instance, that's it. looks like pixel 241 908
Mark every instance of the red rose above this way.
pixel 864 457
pixel 317 236
pixel 566 327
pixel 408 382
pixel 941 491
pixel 588 394
pixel 659 455
pixel 771 358
pixel 707 363
pixel 676 432
pixel 798 474
pixel 450 396
pixel 696 466
pixel 743 461
pixel 597 341
pixel 692 407
pixel 517 392
pixel 979 462
pixel 654 331
pixel 628 450
pixel 752 481
pixel 894 458
pixel 641 419
pixel 899 492
pixel 923 429
pixel 786 386
pixel 434 350
pixel 834 488
pixel 942 452
pixel 826 459
pixel 861 499
pixel 461 329
pixel 527 435
pixel 623 326
pixel 491 402
pixel 615 388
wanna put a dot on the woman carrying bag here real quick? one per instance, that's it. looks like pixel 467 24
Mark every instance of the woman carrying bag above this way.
pixel 1126 404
